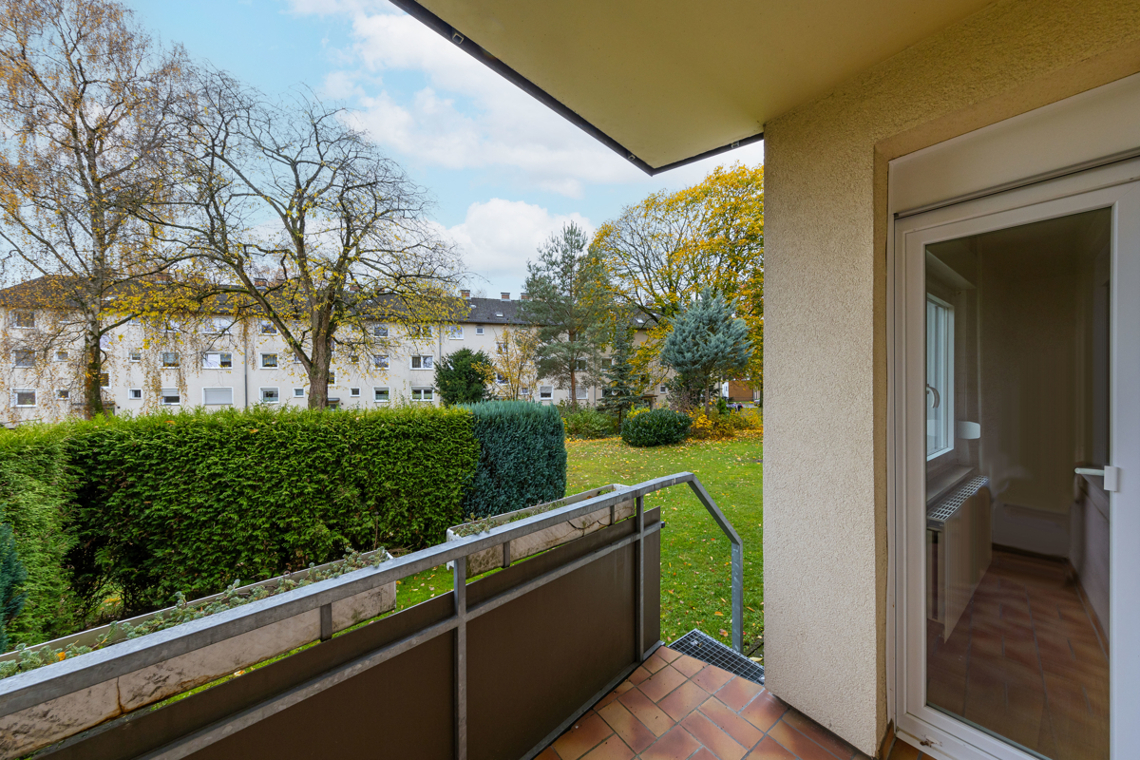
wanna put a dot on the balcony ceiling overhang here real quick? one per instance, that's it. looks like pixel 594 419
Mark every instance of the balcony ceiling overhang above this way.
pixel 670 81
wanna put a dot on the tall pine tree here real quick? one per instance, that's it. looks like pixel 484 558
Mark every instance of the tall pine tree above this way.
pixel 567 299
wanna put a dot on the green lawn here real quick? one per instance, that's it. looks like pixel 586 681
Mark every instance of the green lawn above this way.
pixel 696 590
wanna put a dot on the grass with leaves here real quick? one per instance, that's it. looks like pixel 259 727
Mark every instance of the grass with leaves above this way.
pixel 696 590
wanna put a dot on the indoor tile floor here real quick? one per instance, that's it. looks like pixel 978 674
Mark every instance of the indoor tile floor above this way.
pixel 676 707
pixel 1026 661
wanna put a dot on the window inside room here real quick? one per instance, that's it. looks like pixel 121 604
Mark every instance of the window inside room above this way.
pixel 939 376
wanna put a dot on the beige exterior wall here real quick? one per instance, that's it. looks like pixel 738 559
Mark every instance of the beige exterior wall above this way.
pixel 825 485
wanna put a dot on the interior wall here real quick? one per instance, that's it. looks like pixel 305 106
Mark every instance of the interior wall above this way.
pixel 825 489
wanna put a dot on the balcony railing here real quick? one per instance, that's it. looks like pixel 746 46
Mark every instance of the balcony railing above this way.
pixel 495 669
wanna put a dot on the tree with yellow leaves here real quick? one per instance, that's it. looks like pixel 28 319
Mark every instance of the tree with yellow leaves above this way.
pixel 515 362
pixel 86 113
pixel 661 253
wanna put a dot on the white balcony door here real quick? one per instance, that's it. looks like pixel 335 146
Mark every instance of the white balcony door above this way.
pixel 1016 364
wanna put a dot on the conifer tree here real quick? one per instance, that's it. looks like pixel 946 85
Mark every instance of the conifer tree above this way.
pixel 12 576
pixel 620 393
pixel 706 343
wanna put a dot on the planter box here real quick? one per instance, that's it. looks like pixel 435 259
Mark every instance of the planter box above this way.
pixel 490 559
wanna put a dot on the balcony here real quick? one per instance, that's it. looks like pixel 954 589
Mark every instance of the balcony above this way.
pixel 551 649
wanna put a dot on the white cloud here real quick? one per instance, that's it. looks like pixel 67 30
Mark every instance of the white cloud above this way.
pixel 499 236
pixel 462 115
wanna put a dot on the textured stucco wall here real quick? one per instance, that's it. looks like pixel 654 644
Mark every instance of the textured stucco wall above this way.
pixel 825 497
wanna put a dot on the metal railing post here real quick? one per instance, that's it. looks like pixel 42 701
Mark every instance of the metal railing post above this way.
pixel 460 591
pixel 639 602
pixel 737 562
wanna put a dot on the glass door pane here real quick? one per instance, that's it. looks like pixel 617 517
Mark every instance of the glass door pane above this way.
pixel 1017 545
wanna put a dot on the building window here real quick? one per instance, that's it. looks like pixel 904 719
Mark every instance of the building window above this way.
pixel 455 332
pixel 218 326
pixel 499 379
pixel 354 392
pixel 217 360
pixel 422 394
pixel 479 330
pixel 498 313
pixel 171 397
pixel 546 391
pixel 24 397
pixel 524 391
pixel 25 320
pixel 939 377
pixel 269 396
pixel 298 393
pixel 104 379
pixel 664 389
pixel 267 327
pixel 380 331
pixel 63 394
pixel 381 395
pixel 607 363
pixel 580 365
pixel 380 361
pixel 332 377
pixel 135 394
pixel 61 356
pixel 135 355
pixel 169 359
pixel 269 361
pixel 422 362
pixel 218 396
pixel 419 331
pixel 583 392
pixel 24 357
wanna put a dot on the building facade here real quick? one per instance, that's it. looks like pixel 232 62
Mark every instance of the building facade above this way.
pixel 219 362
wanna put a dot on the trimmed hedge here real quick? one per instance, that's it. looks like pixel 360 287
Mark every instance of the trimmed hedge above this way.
pixel 37 488
pixel 658 427
pixel 156 505
pixel 522 460
pixel 588 423
pixel 193 501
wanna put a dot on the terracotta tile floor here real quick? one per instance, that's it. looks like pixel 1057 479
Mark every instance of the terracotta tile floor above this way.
pixel 676 708
pixel 1026 661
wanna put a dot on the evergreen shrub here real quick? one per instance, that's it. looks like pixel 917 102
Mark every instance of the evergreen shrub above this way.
pixel 36 495
pixel 587 422
pixel 522 461
pixel 191 502
pixel 658 427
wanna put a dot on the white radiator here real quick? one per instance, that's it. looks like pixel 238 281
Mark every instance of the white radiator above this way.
pixel 959 548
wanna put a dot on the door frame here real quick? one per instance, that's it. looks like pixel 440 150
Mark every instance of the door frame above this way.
pixel 938 734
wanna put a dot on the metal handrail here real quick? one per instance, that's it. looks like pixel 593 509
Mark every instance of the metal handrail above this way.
pixel 23 690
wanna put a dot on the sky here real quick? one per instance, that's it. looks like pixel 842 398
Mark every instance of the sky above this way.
pixel 504 171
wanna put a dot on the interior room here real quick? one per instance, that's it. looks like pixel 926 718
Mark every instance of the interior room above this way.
pixel 1017 367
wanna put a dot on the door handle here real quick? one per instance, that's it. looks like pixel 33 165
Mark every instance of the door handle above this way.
pixel 1111 476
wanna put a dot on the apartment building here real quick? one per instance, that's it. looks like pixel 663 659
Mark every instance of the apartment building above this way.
pixel 215 362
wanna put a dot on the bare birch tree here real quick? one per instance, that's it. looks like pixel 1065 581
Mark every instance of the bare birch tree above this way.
pixel 86 124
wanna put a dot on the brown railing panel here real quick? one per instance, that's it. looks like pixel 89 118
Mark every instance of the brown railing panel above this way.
pixel 537 659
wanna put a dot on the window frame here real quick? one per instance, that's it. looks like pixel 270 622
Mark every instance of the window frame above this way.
pixel 261 395
pixel 377 389
pixel 17 313
pixel 18 352
pixel 163 396
pixel 218 388
pixel 427 395
pixel 16 398
pixel 131 394
pixel 276 360
pixel 943 385
pixel 430 362
pixel 177 360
